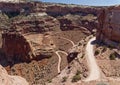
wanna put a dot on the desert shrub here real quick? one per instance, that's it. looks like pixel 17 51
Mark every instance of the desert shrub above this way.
pixel 78 72
pixel 82 56
pixel 111 46
pixel 112 56
pixel 104 49
pixel 77 76
pixel 96 52
pixel 49 81
pixel 64 79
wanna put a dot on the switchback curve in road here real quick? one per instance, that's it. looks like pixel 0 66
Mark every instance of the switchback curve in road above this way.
pixel 59 57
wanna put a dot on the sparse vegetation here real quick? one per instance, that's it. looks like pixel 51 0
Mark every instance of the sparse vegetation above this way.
pixel 78 72
pixel 97 52
pixel 104 49
pixel 64 79
pixel 112 56
pixel 77 76
pixel 82 56
pixel 49 81
pixel 111 46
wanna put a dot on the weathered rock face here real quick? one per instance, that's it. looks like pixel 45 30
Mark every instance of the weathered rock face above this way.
pixel 51 10
pixel 61 10
pixel 6 79
pixel 109 25
pixel 14 9
pixel 77 22
pixel 13 1
pixel 26 47
pixel 16 47
pixel 39 22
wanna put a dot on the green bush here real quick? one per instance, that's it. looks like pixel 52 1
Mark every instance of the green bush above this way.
pixel 78 72
pixel 96 52
pixel 112 56
pixel 111 46
pixel 77 76
pixel 104 49
pixel 64 79
pixel 83 56
pixel 49 81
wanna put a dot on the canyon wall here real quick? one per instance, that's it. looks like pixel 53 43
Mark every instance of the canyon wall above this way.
pixel 109 26
pixel 16 47
pixel 60 12
pixel 27 20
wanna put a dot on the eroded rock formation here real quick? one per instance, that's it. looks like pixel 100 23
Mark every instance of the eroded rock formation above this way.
pixel 73 16
pixel 109 26
pixel 26 47
pixel 78 22
pixel 39 23
pixel 16 47
pixel 6 79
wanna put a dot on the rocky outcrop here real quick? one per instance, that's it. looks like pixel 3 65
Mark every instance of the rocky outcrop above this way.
pixel 60 10
pixel 109 25
pixel 44 15
pixel 78 22
pixel 6 79
pixel 26 47
pixel 16 47
pixel 39 23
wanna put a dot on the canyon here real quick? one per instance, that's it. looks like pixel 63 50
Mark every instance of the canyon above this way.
pixel 44 41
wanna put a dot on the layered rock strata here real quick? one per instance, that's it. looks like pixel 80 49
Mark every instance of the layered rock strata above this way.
pixel 109 26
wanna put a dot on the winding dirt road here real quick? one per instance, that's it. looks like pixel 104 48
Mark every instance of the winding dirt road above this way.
pixel 95 72
pixel 94 69
pixel 57 52
pixel 68 40
pixel 59 62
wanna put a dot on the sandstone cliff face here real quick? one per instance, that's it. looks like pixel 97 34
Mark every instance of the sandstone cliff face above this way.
pixel 78 22
pixel 109 25
pixel 6 79
pixel 52 10
pixel 26 47
pixel 39 22
pixel 61 10
pixel 16 47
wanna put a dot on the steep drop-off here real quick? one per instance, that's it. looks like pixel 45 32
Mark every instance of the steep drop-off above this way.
pixel 109 26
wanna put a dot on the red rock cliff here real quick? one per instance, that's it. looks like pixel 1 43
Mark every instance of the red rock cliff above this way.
pixel 109 25
pixel 16 47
